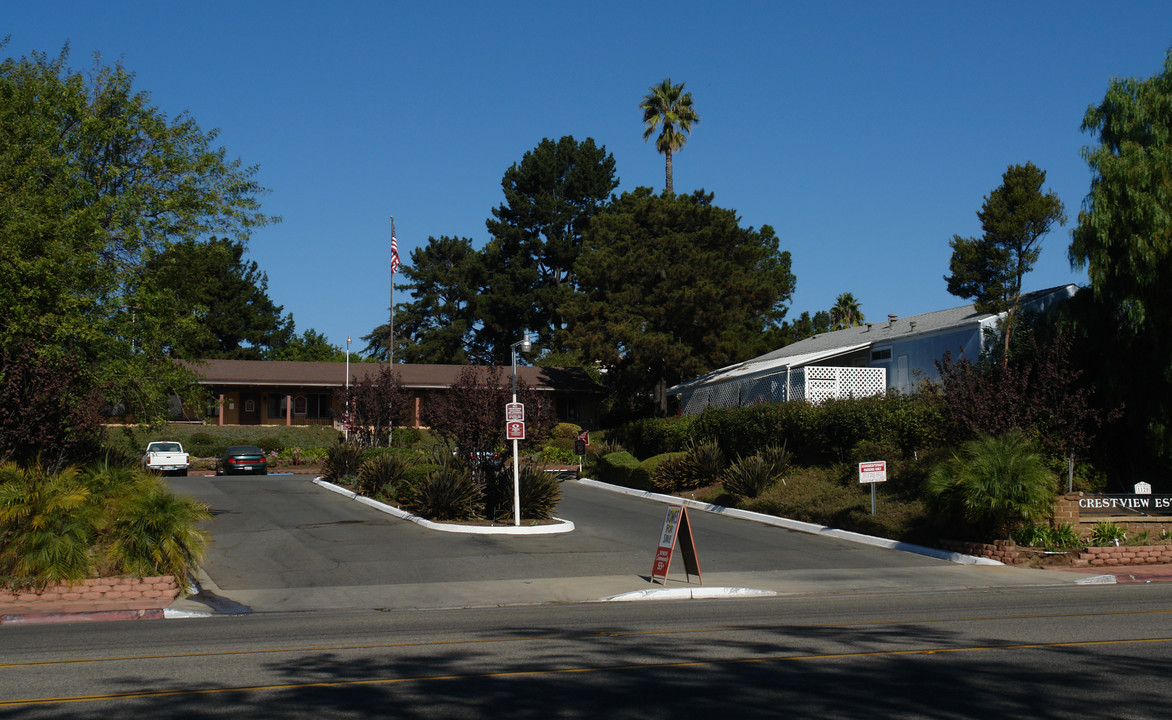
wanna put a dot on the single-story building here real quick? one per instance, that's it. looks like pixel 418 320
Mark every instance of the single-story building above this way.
pixel 868 359
pixel 267 392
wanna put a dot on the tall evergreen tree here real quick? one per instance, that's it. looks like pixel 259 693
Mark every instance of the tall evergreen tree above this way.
pixel 671 287
pixel 990 269
pixel 668 109
pixel 550 197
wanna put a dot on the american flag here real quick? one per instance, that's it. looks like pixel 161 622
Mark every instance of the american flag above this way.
pixel 394 255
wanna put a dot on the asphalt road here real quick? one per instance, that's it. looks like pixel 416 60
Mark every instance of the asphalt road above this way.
pixel 282 543
pixel 1054 652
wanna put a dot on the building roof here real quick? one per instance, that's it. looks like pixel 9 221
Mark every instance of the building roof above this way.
pixel 825 346
pixel 414 377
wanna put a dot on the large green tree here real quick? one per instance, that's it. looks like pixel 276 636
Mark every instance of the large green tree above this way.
pixel 550 197
pixel 1014 217
pixel 668 109
pixel 671 287
pixel 444 279
pixel 1124 240
pixel 232 315
pixel 93 178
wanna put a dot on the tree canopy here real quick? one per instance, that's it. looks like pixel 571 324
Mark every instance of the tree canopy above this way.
pixel 671 287
pixel 846 312
pixel 1014 217
pixel 1124 240
pixel 93 180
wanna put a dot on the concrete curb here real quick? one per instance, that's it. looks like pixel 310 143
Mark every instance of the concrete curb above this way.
pixel 700 593
pixel 562 526
pixel 798 525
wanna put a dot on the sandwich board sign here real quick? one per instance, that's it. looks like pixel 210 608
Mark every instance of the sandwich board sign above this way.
pixel 676 528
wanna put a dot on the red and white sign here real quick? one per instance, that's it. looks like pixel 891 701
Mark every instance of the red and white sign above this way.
pixel 514 430
pixel 873 472
pixel 676 525
pixel 514 411
pixel 584 436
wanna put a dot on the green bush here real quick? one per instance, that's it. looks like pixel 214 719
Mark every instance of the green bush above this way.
pixel 449 493
pixel 565 431
pixel 342 463
pixel 1106 532
pixel 751 476
pixel 552 455
pixel 671 473
pixel 992 483
pixel 651 436
pixel 618 468
pixel 153 532
pixel 705 463
pixel 406 436
pixel 540 493
pixel 380 475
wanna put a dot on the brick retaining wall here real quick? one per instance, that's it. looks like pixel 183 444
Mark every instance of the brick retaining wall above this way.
pixel 1066 510
pixel 96 595
pixel 1002 550
pixel 1125 555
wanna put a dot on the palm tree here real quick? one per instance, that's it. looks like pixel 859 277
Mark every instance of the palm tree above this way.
pixel 668 108
pixel 846 312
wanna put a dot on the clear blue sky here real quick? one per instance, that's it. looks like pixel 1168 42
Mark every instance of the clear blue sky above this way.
pixel 866 134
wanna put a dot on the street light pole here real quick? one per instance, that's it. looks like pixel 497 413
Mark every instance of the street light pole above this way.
pixel 525 346
pixel 346 419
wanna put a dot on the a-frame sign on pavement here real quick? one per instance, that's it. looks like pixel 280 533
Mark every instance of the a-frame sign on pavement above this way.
pixel 676 528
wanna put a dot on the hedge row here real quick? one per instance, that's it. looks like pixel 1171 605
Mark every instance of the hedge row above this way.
pixel 815 434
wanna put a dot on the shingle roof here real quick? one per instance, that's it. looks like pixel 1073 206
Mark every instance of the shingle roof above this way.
pixel 333 374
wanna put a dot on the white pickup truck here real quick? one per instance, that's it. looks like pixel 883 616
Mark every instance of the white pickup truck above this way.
pixel 165 457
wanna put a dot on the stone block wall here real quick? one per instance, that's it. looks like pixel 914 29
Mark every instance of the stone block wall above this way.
pixel 1002 550
pixel 95 595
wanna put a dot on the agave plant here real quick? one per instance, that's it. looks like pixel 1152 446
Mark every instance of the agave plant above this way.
pixel 705 464
pixel 540 493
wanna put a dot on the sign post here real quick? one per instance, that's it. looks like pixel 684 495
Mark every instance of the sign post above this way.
pixel 871 473
pixel 515 430
pixel 676 526
pixel 580 449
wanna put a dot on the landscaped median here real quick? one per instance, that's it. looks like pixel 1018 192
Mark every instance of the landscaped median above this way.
pixel 121 596
pixel 555 526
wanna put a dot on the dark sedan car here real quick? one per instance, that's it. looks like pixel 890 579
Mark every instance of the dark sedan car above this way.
pixel 240 459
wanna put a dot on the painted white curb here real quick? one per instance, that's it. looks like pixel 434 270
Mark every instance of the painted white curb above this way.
pixel 1097 580
pixel 701 593
pixel 562 526
pixel 798 525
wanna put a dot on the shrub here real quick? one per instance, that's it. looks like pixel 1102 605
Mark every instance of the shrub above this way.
pixel 1106 532
pixel 380 475
pixel 994 482
pixel 406 436
pixel 779 457
pixel 651 436
pixel 671 474
pixel 449 494
pixel 342 463
pixel 156 533
pixel 751 476
pixel 565 430
pixel 47 526
pixel 540 493
pixel 705 463
pixel 617 468
pixel 552 455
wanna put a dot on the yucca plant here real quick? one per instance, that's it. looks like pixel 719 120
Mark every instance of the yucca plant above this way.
pixel 673 474
pixel 154 532
pixel 380 475
pixel 1106 532
pixel 342 463
pixel 449 493
pixel 706 463
pixel 751 476
pixel 777 456
pixel 993 482
pixel 47 526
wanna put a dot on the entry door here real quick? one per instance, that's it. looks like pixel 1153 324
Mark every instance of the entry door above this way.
pixel 249 409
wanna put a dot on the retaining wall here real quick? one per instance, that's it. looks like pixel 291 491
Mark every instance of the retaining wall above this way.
pixel 96 595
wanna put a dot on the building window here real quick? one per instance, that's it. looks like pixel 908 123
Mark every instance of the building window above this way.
pixel 567 409
pixel 277 406
pixel 318 406
pixel 881 354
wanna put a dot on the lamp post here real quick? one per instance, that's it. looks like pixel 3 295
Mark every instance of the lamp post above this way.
pixel 525 346
pixel 346 418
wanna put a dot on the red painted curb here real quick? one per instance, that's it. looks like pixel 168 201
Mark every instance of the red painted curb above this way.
pixel 101 616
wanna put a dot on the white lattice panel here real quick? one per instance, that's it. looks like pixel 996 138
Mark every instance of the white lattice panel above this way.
pixel 810 383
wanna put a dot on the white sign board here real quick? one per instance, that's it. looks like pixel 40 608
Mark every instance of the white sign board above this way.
pixel 1142 488
pixel 873 472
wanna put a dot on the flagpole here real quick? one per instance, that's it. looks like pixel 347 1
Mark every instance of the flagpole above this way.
pixel 391 331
